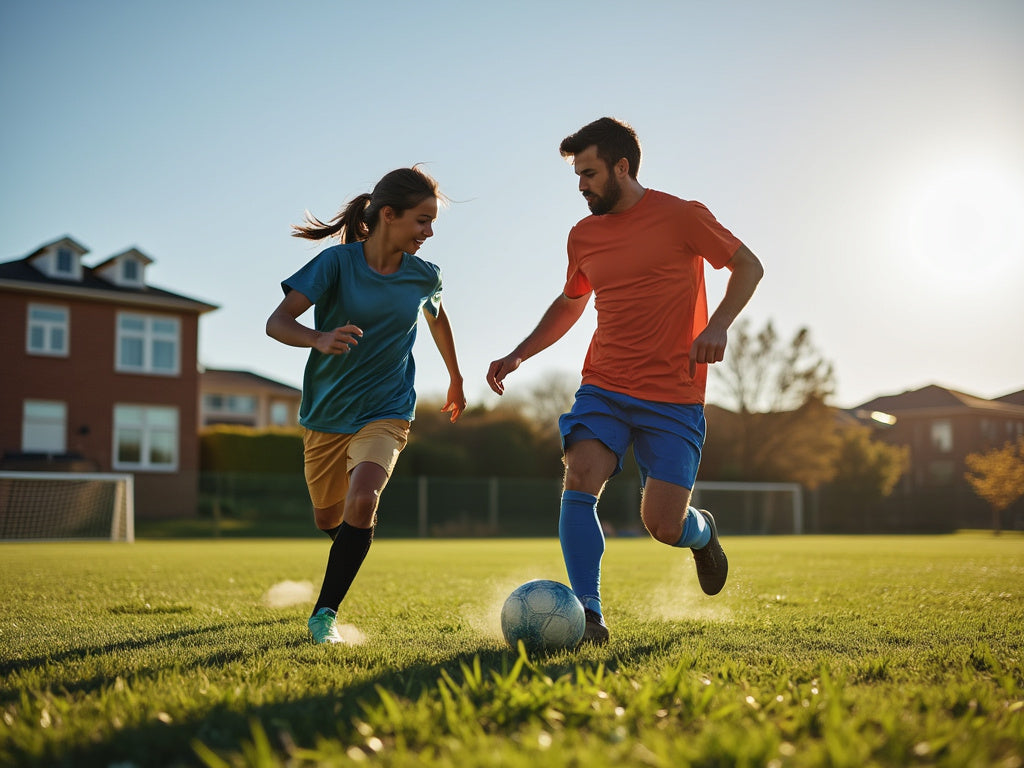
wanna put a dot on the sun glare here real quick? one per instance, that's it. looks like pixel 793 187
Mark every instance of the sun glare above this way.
pixel 967 220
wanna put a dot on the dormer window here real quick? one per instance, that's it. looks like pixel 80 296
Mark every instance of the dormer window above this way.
pixel 65 264
pixel 127 269
pixel 60 260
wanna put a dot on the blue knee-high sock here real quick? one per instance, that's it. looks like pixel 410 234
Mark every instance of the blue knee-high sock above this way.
pixel 696 531
pixel 579 531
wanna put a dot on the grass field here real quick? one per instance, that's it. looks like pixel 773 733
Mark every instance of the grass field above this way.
pixel 820 652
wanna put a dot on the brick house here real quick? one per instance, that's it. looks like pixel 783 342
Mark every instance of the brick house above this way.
pixel 100 373
pixel 246 399
pixel 941 427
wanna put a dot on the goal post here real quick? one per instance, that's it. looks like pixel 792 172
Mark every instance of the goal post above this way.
pixel 754 508
pixel 66 506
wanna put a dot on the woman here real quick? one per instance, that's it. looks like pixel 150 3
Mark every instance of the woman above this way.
pixel 357 391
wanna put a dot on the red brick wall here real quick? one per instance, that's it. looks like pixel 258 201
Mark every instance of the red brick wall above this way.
pixel 87 382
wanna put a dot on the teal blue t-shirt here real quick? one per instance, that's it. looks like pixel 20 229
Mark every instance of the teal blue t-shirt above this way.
pixel 374 380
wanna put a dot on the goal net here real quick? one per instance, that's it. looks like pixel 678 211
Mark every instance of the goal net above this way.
pixel 37 506
pixel 753 508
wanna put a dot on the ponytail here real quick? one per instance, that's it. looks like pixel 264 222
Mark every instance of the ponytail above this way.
pixel 350 223
pixel 400 190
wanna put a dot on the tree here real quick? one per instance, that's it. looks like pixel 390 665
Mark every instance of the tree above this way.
pixel 997 476
pixel 544 402
pixel 866 470
pixel 484 443
pixel 778 425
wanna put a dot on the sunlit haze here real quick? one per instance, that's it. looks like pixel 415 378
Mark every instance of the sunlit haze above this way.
pixel 870 153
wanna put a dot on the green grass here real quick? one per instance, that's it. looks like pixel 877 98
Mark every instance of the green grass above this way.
pixel 821 651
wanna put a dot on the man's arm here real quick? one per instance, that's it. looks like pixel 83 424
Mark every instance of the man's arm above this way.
pixel 746 272
pixel 557 320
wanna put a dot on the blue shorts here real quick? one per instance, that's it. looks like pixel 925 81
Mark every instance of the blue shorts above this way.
pixel 667 437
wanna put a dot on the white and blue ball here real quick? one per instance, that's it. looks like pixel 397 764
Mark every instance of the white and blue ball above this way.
pixel 546 615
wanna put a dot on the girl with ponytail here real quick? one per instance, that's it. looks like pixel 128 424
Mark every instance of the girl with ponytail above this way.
pixel 358 399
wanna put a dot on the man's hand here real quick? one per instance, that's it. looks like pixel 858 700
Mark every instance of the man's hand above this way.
pixel 499 369
pixel 708 347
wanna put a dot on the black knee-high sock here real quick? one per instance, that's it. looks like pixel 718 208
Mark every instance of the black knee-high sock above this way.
pixel 332 532
pixel 347 554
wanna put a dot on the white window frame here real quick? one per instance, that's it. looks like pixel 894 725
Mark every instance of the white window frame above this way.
pixel 149 335
pixel 941 434
pixel 42 432
pixel 49 348
pixel 152 424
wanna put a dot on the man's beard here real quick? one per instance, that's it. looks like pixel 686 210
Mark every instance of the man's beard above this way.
pixel 609 197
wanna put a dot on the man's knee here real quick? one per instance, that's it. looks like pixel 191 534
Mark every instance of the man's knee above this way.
pixel 666 531
pixel 588 465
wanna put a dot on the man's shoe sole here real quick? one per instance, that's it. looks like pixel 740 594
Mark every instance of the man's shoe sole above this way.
pixel 711 575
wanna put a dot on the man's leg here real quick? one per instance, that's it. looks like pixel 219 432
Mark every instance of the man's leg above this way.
pixel 670 519
pixel 588 465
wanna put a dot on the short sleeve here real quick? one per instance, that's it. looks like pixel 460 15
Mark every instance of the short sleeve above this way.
pixel 433 303
pixel 315 278
pixel 707 237
pixel 576 283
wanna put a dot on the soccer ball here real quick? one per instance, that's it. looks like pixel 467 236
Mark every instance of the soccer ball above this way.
pixel 545 615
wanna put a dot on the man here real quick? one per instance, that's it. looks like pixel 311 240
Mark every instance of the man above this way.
pixel 642 255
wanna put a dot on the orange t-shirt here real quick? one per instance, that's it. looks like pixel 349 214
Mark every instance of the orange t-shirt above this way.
pixel 646 269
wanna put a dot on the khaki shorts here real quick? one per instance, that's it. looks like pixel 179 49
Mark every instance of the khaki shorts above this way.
pixel 329 457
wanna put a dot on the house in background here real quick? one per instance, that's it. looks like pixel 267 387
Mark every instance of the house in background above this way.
pixel 941 427
pixel 1014 398
pixel 243 398
pixel 100 373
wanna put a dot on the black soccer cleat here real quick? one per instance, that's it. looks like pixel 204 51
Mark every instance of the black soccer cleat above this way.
pixel 712 564
pixel 595 632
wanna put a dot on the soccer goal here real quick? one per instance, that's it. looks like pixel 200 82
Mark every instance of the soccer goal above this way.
pixel 38 506
pixel 753 508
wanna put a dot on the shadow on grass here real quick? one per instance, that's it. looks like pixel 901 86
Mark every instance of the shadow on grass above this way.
pixel 302 721
pixel 73 655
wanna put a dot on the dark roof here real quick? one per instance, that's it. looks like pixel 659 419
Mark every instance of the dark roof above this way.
pixel 932 397
pixel 212 378
pixel 1014 398
pixel 22 271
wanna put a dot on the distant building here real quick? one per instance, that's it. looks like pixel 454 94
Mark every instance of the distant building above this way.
pixel 1014 398
pixel 243 398
pixel 941 427
pixel 100 373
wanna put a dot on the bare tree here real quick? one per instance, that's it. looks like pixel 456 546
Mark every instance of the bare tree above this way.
pixel 545 401
pixel 778 424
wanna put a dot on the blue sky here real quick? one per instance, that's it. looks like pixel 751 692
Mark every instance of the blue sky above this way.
pixel 870 153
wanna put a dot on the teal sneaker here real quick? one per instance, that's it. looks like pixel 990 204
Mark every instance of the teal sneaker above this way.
pixel 321 627
pixel 712 564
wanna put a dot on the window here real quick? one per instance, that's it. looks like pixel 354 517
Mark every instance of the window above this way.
pixel 130 270
pixel 942 436
pixel 237 404
pixel 145 437
pixel 65 263
pixel 280 414
pixel 44 427
pixel 148 344
pixel 47 330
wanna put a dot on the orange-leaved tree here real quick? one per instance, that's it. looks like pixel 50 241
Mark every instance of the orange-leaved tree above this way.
pixel 997 476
